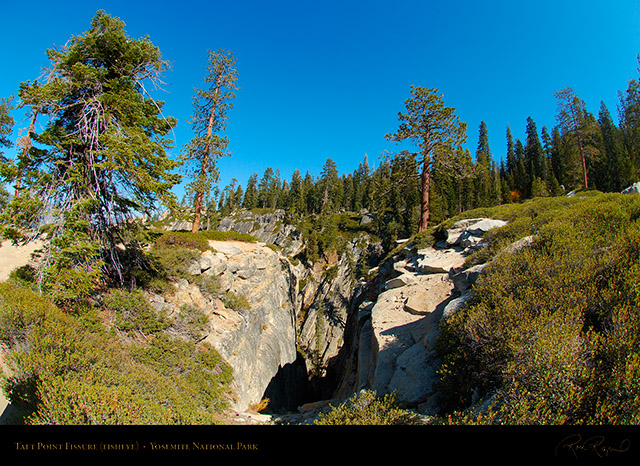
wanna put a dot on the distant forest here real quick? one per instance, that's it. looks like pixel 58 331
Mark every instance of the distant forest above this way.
pixel 103 154
pixel 582 151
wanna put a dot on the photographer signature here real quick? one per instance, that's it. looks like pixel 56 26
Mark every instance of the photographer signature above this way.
pixel 576 445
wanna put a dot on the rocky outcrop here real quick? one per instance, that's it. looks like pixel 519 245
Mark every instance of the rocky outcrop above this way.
pixel 398 329
pixel 327 304
pixel 258 339
pixel 270 228
pixel 324 299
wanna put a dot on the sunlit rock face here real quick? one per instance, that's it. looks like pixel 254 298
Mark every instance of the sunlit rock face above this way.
pixel 255 339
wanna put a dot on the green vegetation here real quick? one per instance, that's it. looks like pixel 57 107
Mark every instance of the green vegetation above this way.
pixel 550 334
pixel 365 408
pixel 215 235
pixel 68 371
pixel 132 313
pixel 99 160
pixel 174 239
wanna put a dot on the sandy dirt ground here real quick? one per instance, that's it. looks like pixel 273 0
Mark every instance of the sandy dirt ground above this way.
pixel 15 256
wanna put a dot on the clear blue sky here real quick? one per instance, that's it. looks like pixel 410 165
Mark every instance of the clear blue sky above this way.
pixel 326 79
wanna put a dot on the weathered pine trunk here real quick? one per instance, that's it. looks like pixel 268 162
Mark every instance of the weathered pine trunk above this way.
pixel 425 184
pixel 584 164
pixel 205 165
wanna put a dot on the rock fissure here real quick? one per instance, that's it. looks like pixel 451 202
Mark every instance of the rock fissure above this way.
pixel 306 335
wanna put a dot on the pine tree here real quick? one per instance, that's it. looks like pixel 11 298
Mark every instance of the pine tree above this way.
pixel 575 124
pixel 250 200
pixel 268 189
pixel 329 186
pixel 6 125
pixel 455 174
pixel 617 169
pixel 100 158
pixel 484 174
pixel 310 193
pixel 629 109
pixel 211 106
pixel 435 129
pixel 361 183
pixel 6 128
pixel 297 203
pixel 534 156
pixel 521 176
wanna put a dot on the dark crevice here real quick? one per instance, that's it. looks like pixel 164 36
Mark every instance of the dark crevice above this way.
pixel 289 388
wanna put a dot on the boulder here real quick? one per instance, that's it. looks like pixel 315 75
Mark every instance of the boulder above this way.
pixel 454 305
pixel 464 280
pixel 469 232
pixel 439 261
pixel 397 282
pixel 633 189
pixel 227 248
pixel 205 263
pixel 519 245
pixel 216 261
pixel 419 303
pixel 366 219
pixel 415 374
pixel 194 269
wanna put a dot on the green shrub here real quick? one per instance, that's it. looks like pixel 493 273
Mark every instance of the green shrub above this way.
pixel 182 240
pixel 62 373
pixel 365 408
pixel 228 236
pixel 552 333
pixel 21 310
pixel 173 263
pixel 273 247
pixel 191 322
pixel 133 313
pixel 24 275
pixel 235 302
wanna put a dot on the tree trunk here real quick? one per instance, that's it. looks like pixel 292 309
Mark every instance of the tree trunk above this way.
pixel 425 184
pixel 197 212
pixel 205 165
pixel 584 166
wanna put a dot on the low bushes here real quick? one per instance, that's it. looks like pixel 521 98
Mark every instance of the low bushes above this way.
pixel 68 372
pixel 365 408
pixel 551 333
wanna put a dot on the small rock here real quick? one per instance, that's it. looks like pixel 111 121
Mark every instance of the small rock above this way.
pixel 465 279
pixel 633 189
pixel 402 280
pixel 205 263
pixel 454 305
pixel 194 269
pixel 420 303
pixel 366 219
pixel 519 245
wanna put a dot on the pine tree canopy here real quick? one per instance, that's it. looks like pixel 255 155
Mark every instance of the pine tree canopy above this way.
pixel 102 154
pixel 211 106
pixel 435 129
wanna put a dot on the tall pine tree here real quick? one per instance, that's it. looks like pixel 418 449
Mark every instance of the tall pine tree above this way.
pixel 211 106
pixel 435 129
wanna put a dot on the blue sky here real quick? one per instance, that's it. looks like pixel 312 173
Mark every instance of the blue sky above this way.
pixel 326 79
